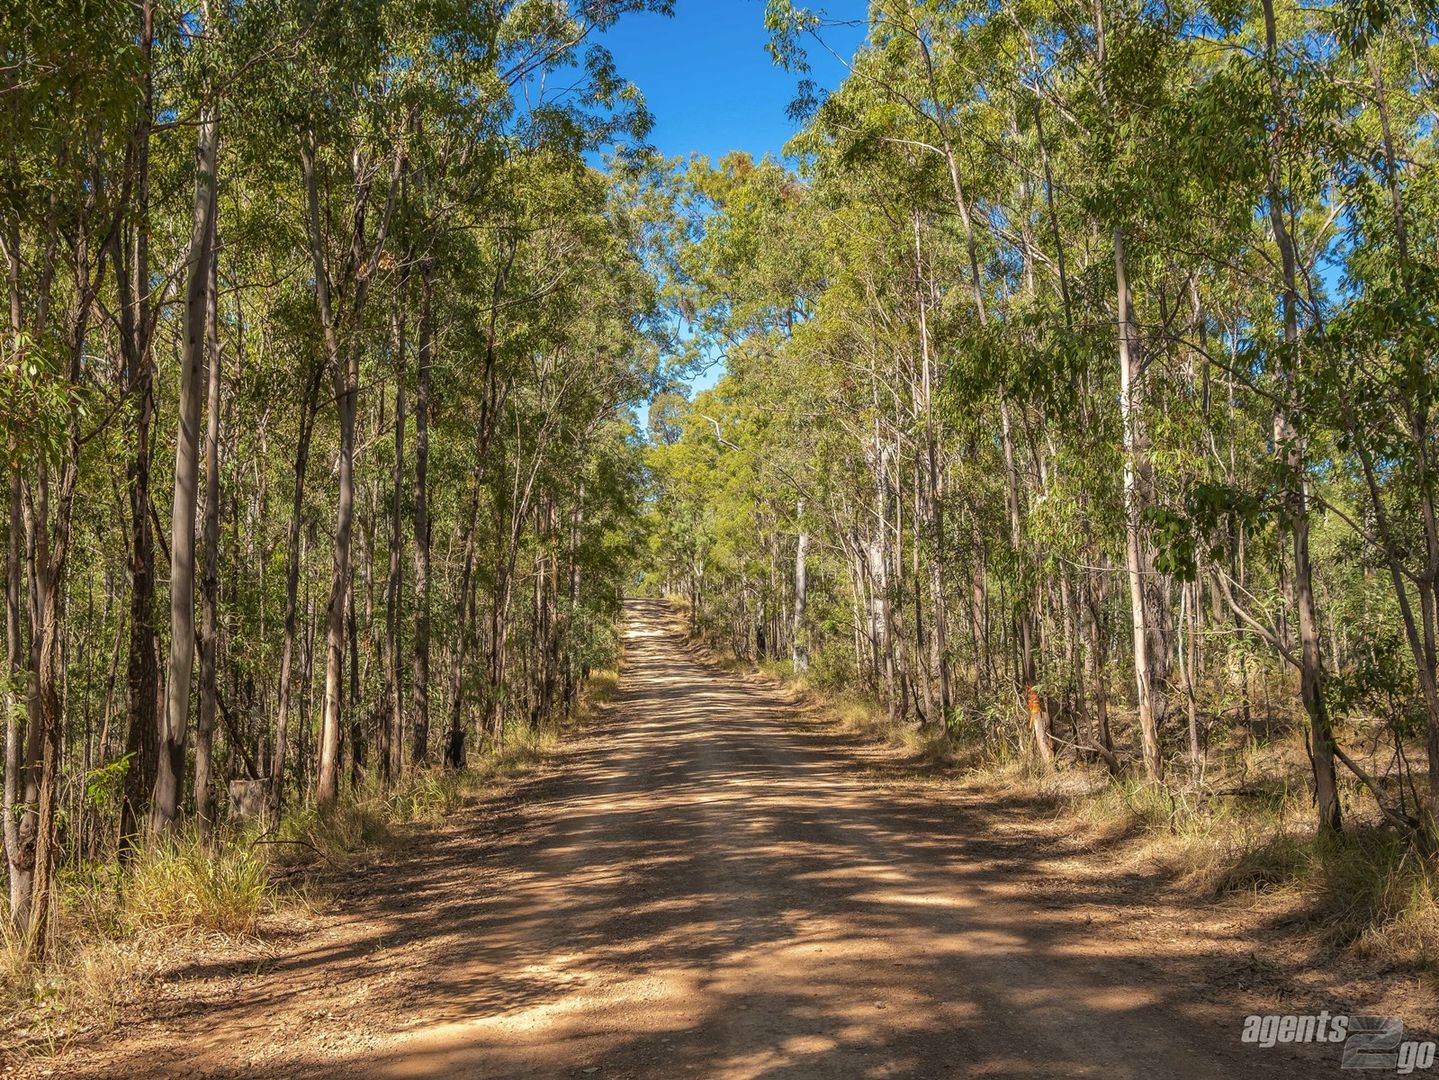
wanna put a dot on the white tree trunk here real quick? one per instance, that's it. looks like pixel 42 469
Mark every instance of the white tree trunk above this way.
pixel 1130 399
pixel 799 646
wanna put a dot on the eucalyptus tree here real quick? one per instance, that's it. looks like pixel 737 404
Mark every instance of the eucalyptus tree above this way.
pixel 197 320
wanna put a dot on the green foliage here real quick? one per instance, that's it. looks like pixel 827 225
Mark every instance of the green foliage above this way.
pixel 105 785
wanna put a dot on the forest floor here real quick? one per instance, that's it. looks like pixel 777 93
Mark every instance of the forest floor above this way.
pixel 715 881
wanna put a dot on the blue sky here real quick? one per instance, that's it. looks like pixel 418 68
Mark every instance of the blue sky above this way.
pixel 711 84
pixel 709 81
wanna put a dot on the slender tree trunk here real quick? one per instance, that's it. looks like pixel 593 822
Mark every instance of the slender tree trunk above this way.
pixel 1188 657
pixel 169 779
pixel 572 677
pixel 799 641
pixel 48 676
pixel 18 869
pixel 878 556
pixel 327 785
pixel 421 646
pixel 394 680
pixel 979 624
pixel 48 520
pixel 934 492
pixel 1130 399
pixel 549 613
pixel 1289 446
pixel 210 581
pixel 293 560
pixel 1099 674
pixel 18 866
pixel 455 740
pixel 342 352
pixel 307 684
pixel 358 749
pixel 144 706
pixel 1024 609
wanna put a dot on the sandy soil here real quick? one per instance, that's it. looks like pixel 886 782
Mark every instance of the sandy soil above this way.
pixel 709 883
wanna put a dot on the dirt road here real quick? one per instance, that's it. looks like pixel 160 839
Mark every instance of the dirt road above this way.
pixel 708 886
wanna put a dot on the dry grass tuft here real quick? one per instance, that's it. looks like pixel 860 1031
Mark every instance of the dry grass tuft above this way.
pixel 115 929
pixel 185 886
pixel 601 687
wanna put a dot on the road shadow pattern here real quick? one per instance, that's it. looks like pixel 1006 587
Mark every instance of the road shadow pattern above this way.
pixel 703 887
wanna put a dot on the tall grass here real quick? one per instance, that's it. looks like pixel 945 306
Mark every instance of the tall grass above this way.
pixel 371 815
pixel 113 929
pixel 186 886
pixel 1367 889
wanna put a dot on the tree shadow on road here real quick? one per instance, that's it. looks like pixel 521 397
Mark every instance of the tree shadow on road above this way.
pixel 705 889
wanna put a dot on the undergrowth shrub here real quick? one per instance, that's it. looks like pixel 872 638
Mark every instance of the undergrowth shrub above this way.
pixel 333 832
pixel 183 885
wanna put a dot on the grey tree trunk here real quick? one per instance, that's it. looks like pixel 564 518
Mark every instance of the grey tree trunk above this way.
pixel 799 642
pixel 1188 659
pixel 933 496
pixel 170 771
pixel 210 581
pixel 17 866
pixel 293 559
pixel 1289 446
pixel 327 784
pixel 421 647
pixel 573 677
pixel 18 871
pixel 881 621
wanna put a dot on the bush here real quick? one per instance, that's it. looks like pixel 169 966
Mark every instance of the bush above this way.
pixel 184 885
pixel 426 795
pixel 335 831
